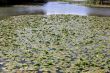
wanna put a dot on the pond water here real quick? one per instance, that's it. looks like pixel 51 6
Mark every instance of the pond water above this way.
pixel 51 8
pixel 66 8
pixel 31 43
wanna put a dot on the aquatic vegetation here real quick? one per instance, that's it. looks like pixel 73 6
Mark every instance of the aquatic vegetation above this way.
pixel 56 43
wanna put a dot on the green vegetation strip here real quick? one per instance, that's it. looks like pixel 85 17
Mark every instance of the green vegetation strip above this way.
pixel 56 43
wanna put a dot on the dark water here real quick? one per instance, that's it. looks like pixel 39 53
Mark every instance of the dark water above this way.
pixel 51 8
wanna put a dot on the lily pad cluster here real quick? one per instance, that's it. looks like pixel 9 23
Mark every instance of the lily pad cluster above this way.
pixel 55 44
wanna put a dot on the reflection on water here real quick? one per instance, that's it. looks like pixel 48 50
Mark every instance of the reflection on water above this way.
pixel 53 8
pixel 66 8
pixel 20 10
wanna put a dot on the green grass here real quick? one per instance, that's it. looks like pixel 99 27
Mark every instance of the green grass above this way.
pixel 64 43
pixel 88 4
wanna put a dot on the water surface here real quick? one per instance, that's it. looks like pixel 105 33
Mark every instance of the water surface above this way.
pixel 51 8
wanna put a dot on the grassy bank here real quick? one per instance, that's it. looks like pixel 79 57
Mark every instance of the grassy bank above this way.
pixel 85 3
pixel 57 43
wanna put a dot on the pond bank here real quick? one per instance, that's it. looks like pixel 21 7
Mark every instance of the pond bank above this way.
pixel 56 43
pixel 85 3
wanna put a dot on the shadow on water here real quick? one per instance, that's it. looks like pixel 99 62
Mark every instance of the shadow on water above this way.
pixel 20 10
pixel 52 8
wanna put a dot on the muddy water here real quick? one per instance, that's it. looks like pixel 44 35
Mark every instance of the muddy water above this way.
pixel 51 8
